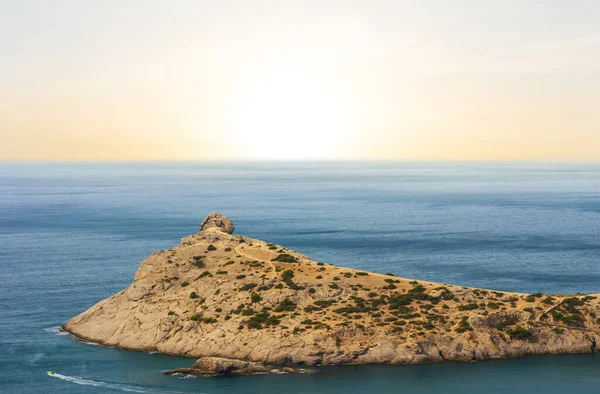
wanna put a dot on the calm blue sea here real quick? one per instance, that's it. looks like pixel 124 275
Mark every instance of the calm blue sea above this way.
pixel 73 234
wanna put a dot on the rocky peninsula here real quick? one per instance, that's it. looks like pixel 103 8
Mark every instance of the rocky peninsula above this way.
pixel 223 296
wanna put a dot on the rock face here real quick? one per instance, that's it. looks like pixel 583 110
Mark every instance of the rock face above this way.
pixel 220 295
pixel 209 366
pixel 218 222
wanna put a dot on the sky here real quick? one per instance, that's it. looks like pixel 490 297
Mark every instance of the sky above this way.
pixel 299 80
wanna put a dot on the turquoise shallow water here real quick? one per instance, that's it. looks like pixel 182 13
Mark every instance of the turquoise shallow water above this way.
pixel 73 234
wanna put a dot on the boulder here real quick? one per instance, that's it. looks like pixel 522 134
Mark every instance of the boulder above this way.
pixel 215 220
pixel 210 366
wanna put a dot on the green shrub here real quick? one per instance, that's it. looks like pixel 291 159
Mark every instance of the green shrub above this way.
pixel 255 297
pixel 261 318
pixel 501 321
pixel 519 333
pixel 198 261
pixel 285 258
pixel 248 286
pixel 254 324
pixel 248 312
pixel 324 303
pixel 463 325
pixel 184 284
pixel 287 275
pixel 468 307
pixel 194 295
pixel 240 277
pixel 203 275
pixel 211 247
pixel 228 249
pixel 548 300
pixel 196 316
pixel 571 320
pixel 285 306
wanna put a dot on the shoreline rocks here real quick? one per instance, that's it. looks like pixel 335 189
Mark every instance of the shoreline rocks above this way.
pixel 215 366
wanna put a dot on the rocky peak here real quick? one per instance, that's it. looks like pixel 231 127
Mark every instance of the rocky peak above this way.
pixel 217 221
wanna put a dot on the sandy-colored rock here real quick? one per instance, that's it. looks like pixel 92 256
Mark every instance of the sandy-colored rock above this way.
pixel 215 220
pixel 222 366
pixel 221 295
pixel 208 366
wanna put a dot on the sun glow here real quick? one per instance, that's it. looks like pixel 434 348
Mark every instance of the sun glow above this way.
pixel 289 115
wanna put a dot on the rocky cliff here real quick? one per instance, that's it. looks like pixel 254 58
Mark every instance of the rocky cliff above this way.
pixel 223 295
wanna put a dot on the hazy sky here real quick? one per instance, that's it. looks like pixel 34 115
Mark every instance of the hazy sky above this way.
pixel 406 80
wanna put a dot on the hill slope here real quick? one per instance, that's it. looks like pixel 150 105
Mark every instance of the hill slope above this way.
pixel 222 295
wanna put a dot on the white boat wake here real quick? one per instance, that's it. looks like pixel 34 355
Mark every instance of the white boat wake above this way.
pixel 109 385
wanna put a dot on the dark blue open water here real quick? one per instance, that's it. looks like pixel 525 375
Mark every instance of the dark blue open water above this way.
pixel 73 234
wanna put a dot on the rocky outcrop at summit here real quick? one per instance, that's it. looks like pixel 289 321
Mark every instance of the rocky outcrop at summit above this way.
pixel 229 296
pixel 215 220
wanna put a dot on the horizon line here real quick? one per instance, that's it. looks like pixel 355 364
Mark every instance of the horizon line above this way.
pixel 250 160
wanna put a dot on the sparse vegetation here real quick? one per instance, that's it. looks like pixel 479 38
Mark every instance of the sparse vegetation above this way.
pixel 196 317
pixel 285 258
pixel 548 300
pixel 203 275
pixel 248 287
pixel 464 325
pixel 198 261
pixel 519 333
pixel 468 307
pixel 255 297
pixel 285 306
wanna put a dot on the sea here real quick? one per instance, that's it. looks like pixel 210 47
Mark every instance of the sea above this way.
pixel 73 234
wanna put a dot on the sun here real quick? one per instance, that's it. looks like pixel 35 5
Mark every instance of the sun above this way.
pixel 290 115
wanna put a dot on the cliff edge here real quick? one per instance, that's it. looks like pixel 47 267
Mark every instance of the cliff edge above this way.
pixel 223 295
